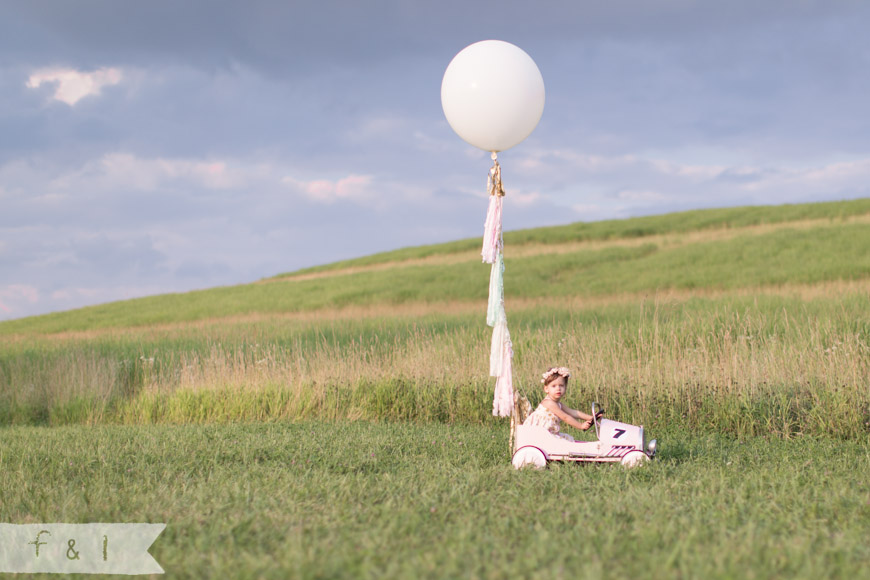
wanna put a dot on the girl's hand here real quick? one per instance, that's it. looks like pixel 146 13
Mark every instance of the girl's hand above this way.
pixel 587 424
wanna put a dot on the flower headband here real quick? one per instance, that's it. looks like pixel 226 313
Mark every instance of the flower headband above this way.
pixel 561 371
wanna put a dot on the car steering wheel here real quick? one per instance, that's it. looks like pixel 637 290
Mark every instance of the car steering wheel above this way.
pixel 596 411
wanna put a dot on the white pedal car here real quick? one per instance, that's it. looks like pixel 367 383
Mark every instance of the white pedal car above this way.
pixel 617 442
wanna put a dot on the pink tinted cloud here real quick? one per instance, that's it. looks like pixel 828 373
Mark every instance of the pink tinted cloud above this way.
pixel 325 190
pixel 71 85
pixel 17 293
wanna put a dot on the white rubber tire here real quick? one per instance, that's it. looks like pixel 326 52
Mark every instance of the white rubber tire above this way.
pixel 529 457
pixel 634 458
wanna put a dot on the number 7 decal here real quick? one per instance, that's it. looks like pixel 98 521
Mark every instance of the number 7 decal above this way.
pixel 619 433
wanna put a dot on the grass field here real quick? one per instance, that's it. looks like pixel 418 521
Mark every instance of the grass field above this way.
pixel 335 422
pixel 382 500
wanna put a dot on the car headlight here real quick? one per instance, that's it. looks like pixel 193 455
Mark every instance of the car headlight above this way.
pixel 651 447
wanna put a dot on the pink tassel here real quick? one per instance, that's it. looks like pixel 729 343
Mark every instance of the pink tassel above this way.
pixel 492 230
pixel 492 238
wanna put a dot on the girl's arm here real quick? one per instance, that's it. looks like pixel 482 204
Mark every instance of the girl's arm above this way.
pixel 568 418
pixel 577 414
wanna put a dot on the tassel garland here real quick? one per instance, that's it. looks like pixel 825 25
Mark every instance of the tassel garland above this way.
pixel 501 350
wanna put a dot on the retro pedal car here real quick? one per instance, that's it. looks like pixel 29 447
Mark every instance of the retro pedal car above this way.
pixel 617 443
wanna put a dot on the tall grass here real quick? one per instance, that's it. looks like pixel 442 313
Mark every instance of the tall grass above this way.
pixel 741 365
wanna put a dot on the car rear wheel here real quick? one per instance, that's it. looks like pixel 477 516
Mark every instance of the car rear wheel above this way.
pixel 529 457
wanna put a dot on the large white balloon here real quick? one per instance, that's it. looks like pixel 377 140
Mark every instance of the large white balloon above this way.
pixel 492 94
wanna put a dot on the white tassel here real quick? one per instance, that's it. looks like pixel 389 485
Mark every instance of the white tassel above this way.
pixel 503 399
pixel 500 336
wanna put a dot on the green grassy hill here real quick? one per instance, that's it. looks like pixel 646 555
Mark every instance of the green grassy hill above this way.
pixel 747 320
pixel 716 250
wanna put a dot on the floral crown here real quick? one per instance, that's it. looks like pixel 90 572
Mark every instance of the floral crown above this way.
pixel 561 371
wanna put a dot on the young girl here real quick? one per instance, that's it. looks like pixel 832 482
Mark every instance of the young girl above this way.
pixel 551 412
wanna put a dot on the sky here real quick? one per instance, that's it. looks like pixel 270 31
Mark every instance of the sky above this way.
pixel 165 146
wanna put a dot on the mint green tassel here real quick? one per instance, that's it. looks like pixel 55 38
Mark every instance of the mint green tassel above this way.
pixel 495 308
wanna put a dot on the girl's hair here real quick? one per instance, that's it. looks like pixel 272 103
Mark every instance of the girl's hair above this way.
pixel 553 372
